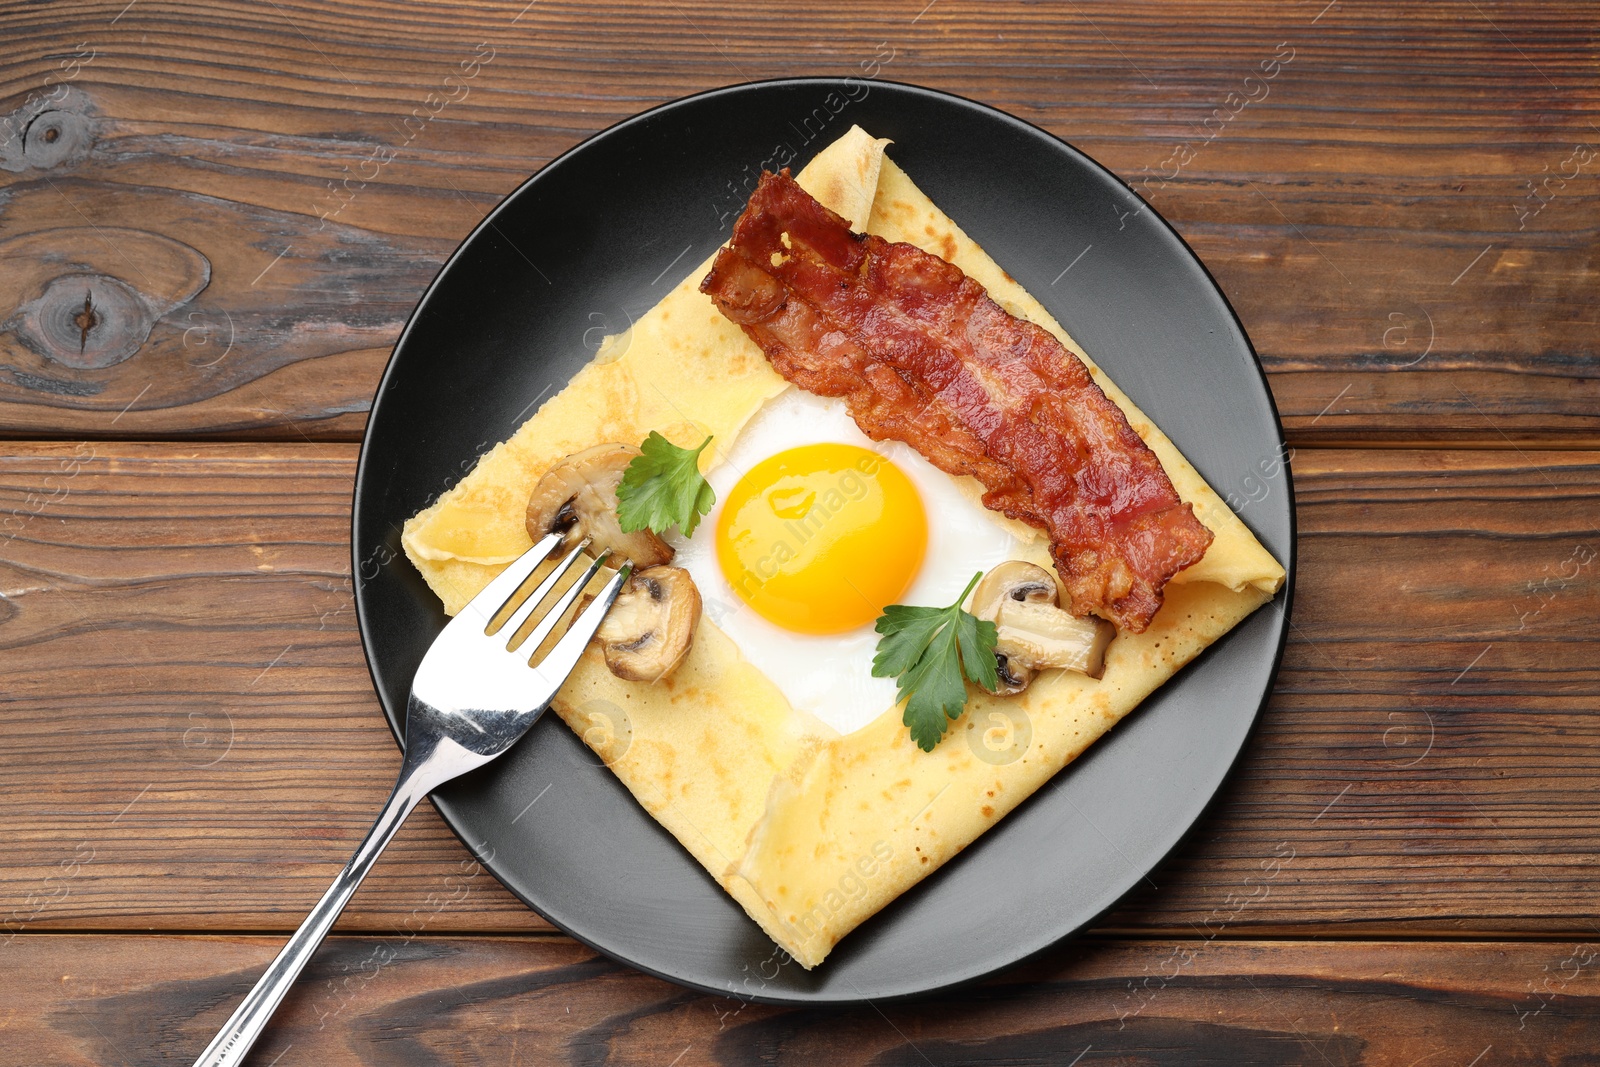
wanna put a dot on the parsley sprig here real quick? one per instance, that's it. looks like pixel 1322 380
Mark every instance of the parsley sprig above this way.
pixel 663 488
pixel 928 651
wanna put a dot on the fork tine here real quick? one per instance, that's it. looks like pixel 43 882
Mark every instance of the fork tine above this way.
pixel 555 667
pixel 514 620
pixel 537 635
pixel 494 596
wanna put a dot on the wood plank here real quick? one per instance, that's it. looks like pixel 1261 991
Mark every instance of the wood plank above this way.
pixel 187 717
pixel 1430 745
pixel 1378 210
pixel 148 999
pixel 188 683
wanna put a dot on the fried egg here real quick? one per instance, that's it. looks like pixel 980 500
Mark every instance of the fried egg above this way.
pixel 816 529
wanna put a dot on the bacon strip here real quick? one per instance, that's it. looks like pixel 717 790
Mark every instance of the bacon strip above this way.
pixel 921 354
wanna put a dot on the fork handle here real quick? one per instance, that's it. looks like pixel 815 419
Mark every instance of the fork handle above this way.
pixel 233 1042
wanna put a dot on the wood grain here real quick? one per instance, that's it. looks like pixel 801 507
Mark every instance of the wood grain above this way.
pixel 158 999
pixel 189 726
pixel 1430 740
pixel 182 631
pixel 1398 213
pixel 197 241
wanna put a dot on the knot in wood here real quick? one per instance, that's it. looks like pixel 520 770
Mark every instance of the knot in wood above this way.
pixel 55 137
pixel 86 321
pixel 50 129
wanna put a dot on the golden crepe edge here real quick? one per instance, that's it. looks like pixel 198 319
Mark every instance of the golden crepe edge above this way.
pixel 813 832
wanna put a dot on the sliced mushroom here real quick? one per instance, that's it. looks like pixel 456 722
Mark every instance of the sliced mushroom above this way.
pixel 650 627
pixel 1013 678
pixel 1034 633
pixel 578 497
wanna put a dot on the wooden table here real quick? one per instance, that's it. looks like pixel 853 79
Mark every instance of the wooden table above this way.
pixel 1400 200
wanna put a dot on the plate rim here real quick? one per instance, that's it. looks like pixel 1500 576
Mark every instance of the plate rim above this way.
pixel 1284 598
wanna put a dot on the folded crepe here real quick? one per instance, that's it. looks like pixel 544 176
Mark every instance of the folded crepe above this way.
pixel 812 831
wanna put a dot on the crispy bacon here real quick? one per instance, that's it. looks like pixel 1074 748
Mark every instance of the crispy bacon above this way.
pixel 921 354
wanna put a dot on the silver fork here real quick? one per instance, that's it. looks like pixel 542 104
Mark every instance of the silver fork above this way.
pixel 473 697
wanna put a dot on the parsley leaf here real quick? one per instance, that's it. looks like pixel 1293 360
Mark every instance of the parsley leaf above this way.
pixel 663 488
pixel 928 650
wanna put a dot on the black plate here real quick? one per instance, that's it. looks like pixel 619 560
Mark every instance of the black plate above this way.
pixel 592 241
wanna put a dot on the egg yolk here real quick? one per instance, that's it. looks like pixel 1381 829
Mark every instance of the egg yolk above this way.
pixel 821 538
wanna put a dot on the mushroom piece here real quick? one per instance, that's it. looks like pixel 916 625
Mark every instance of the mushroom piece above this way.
pixel 648 630
pixel 1034 632
pixel 578 498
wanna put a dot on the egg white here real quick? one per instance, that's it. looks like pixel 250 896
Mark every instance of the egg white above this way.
pixel 830 675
